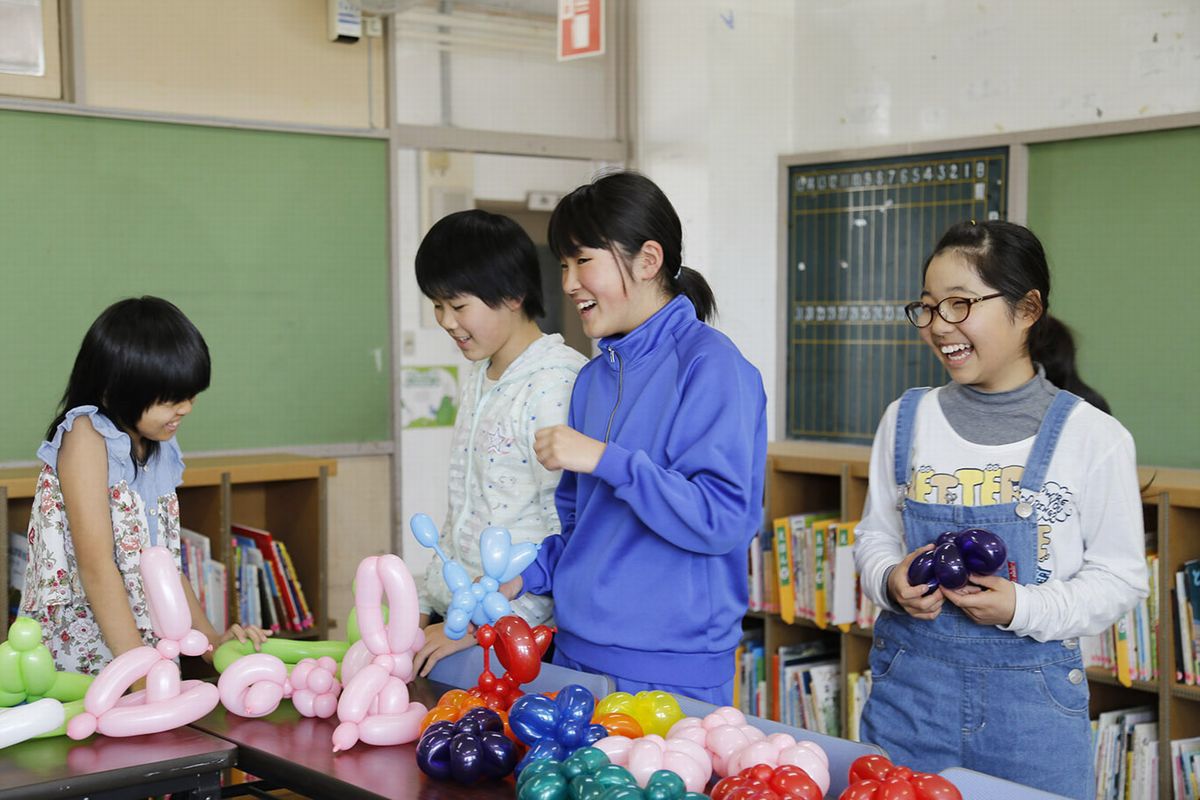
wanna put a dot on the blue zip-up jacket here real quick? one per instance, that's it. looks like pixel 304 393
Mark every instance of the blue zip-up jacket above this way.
pixel 649 572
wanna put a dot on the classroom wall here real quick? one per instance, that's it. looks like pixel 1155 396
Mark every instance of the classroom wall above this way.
pixel 724 88
pixel 268 60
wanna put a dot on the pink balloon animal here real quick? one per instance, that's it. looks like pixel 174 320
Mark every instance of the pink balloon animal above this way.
pixel 644 756
pixel 374 705
pixel 254 685
pixel 166 702
pixel 734 745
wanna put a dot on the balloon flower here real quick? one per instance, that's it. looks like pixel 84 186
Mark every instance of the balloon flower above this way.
pixel 166 702
pixel 254 685
pixel 656 711
pixel 874 777
pixel 477 602
pixel 587 773
pixel 764 782
pixel 374 705
pixel 957 556
pixel 519 649
pixel 472 749
pixel 646 756
pixel 734 745
pixel 555 728
pixel 28 676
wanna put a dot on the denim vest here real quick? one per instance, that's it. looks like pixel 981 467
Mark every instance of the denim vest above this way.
pixel 951 692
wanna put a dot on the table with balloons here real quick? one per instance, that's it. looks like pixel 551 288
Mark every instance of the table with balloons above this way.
pixel 560 745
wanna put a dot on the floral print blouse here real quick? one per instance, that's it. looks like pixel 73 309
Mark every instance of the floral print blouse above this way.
pixel 145 511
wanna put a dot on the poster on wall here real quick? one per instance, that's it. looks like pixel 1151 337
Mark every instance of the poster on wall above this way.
pixel 428 397
pixel 580 29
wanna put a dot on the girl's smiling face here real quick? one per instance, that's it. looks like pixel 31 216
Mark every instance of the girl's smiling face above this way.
pixel 160 421
pixel 611 299
pixel 987 350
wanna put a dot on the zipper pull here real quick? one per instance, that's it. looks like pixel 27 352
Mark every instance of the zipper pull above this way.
pixel 612 356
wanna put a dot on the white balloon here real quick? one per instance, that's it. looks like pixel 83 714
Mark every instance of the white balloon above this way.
pixel 33 719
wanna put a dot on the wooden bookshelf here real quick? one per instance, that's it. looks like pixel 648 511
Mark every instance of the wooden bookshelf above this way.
pixel 806 476
pixel 284 494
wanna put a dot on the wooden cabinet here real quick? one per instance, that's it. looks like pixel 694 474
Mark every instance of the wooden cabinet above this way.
pixel 807 476
pixel 283 494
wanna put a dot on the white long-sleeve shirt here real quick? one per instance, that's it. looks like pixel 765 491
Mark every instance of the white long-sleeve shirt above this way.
pixel 495 478
pixel 1091 548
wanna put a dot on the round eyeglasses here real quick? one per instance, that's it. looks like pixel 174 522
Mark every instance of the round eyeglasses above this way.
pixel 952 309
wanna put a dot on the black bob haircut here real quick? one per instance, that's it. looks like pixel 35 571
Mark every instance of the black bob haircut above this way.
pixel 486 255
pixel 138 352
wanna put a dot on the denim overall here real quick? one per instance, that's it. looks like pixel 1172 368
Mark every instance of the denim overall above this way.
pixel 950 692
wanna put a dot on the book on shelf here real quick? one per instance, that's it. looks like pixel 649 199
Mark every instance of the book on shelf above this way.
pixel 784 571
pixel 1112 749
pixel 858 687
pixel 1185 768
pixel 789 661
pixel 1129 649
pixel 844 605
pixel 206 576
pixel 268 590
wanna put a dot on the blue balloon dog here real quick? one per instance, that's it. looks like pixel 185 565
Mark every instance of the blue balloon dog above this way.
pixel 478 602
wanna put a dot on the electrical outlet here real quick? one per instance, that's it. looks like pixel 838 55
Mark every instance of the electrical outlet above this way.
pixel 372 26
pixel 408 343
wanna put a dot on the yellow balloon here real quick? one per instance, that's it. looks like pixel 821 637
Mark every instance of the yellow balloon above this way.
pixel 656 711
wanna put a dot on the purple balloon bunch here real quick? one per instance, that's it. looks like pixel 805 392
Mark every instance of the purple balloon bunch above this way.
pixel 955 557
pixel 472 749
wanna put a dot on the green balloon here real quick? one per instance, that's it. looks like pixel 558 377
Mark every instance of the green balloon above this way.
pixel 665 785
pixel 37 668
pixel 11 681
pixel 10 699
pixel 71 709
pixel 585 787
pixel 25 633
pixel 623 793
pixel 548 786
pixel 612 775
pixel 584 761
pixel 353 634
pixel 289 651
pixel 69 686
pixel 542 766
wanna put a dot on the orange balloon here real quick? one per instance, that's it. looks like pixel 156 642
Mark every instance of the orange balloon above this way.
pixel 440 713
pixel 453 698
pixel 618 724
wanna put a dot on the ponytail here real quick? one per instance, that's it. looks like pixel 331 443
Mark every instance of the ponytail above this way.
pixel 691 284
pixel 1052 345
pixel 620 212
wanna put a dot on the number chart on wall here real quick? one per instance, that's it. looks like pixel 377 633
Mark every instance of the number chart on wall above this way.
pixel 858 235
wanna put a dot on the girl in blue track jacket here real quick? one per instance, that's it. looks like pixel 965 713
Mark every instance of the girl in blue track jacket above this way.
pixel 663 456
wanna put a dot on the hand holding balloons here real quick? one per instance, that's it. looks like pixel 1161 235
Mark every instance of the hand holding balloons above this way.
pixel 957 556
pixel 477 602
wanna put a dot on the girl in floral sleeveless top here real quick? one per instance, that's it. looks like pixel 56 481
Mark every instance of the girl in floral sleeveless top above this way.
pixel 111 460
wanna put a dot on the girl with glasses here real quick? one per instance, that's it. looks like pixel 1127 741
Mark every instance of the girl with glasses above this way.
pixel 989 676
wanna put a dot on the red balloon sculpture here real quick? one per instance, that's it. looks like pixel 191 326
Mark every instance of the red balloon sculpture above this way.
pixel 519 649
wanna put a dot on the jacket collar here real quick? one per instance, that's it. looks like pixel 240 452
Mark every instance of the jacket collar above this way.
pixel 646 338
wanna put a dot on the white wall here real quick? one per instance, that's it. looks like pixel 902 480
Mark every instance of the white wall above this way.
pixel 726 88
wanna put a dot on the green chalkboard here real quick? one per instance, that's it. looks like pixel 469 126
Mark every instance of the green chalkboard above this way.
pixel 858 235
pixel 1120 219
pixel 275 244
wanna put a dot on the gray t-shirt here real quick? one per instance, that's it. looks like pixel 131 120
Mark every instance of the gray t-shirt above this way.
pixel 1001 417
